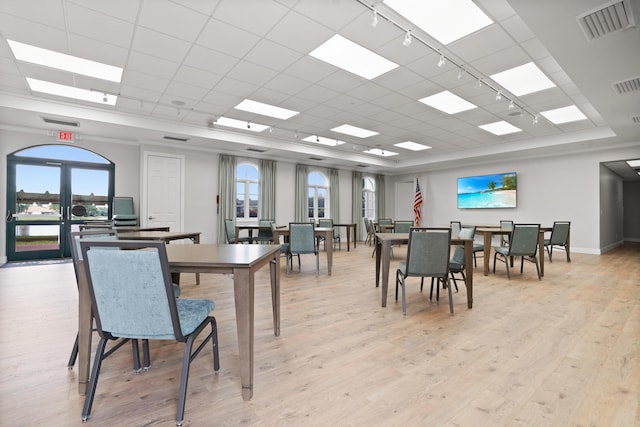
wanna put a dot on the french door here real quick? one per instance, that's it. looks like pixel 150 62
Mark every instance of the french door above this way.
pixel 48 198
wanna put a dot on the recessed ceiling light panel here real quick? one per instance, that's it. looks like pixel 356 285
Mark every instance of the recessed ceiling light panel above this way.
pixel 343 53
pixel 354 131
pixel 265 109
pixel 60 61
pixel 323 141
pixel 448 102
pixel 413 146
pixel 524 79
pixel 380 152
pixel 564 115
pixel 239 124
pixel 71 92
pixel 500 128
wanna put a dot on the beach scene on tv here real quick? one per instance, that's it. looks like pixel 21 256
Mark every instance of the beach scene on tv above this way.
pixel 487 191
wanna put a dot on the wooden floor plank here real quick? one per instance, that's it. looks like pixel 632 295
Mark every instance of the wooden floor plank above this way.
pixel 561 351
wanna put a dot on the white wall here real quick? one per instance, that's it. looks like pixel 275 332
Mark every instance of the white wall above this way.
pixel 556 188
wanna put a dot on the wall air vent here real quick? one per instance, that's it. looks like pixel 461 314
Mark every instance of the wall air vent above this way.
pixel 256 150
pixel 362 166
pixel 609 18
pixel 626 86
pixel 316 158
pixel 175 138
pixel 60 122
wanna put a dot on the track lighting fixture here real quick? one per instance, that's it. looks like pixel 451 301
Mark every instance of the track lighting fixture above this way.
pixel 498 96
pixel 479 84
pixel 460 73
pixel 407 39
pixel 441 61
pixel 270 129
pixel 535 119
pixel 317 138
pixel 248 125
pixel 104 98
pixel 511 105
pixel 374 18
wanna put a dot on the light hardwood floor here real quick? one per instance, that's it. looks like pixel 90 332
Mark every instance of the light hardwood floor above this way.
pixel 564 351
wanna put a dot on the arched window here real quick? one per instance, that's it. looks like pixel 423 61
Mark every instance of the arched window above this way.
pixel 368 197
pixel 318 196
pixel 247 188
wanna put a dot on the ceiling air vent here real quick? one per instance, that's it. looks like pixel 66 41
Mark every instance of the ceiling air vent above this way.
pixel 609 18
pixel 256 150
pixel 316 158
pixel 626 86
pixel 60 122
pixel 636 119
pixel 362 166
pixel 175 138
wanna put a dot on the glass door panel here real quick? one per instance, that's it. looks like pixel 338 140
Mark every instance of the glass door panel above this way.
pixel 89 195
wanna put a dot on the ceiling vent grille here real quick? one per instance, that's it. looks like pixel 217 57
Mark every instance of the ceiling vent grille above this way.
pixel 610 18
pixel 175 138
pixel 636 119
pixel 362 166
pixel 316 158
pixel 626 86
pixel 60 122
pixel 256 150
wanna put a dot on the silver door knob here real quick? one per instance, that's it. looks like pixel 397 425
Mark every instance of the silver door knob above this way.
pixel 152 217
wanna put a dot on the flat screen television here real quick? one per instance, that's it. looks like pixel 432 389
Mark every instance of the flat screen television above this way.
pixel 495 191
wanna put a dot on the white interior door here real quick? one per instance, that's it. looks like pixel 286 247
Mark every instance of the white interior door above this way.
pixel 163 191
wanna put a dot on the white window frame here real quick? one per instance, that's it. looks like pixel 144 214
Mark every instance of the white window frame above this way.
pixel 316 189
pixel 369 197
pixel 246 219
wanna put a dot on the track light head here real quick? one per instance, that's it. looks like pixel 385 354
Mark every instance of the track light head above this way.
pixel 374 18
pixel 535 119
pixel 105 98
pixel 498 96
pixel 441 61
pixel 407 39
pixel 248 125
pixel 511 105
pixel 460 73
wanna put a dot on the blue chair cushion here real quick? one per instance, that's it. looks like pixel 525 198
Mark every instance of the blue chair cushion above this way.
pixel 192 313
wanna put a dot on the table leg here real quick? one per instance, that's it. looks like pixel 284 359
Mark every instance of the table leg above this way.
pixel 274 266
pixel 386 262
pixel 541 252
pixel 355 236
pixel 468 260
pixel 329 238
pixel 487 251
pixel 243 290
pixel 349 237
pixel 376 250
pixel 85 330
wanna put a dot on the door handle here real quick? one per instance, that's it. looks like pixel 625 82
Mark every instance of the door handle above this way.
pixel 152 217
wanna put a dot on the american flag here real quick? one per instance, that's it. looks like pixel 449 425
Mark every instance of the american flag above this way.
pixel 417 203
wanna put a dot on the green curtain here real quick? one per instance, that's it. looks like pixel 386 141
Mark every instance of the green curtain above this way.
pixel 334 195
pixel 227 193
pixel 356 203
pixel 267 194
pixel 380 200
pixel 302 193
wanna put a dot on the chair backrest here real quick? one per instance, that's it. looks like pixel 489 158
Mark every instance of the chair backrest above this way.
pixel 301 238
pixel 458 253
pixel 367 224
pixel 456 226
pixel 230 230
pixel 506 225
pixel 402 226
pixel 76 236
pixel 131 291
pixel 524 240
pixel 560 232
pixel 385 221
pixel 428 252
pixel 123 206
pixel 264 232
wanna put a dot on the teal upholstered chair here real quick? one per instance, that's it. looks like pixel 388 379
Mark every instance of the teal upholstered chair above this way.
pixel 427 256
pixel 328 223
pixel 79 269
pixel 230 233
pixel 456 226
pixel 368 227
pixel 132 298
pixel 302 241
pixel 402 226
pixel 505 225
pixel 559 238
pixel 123 212
pixel 284 246
pixel 457 263
pixel 265 235
pixel 523 244
pixel 384 221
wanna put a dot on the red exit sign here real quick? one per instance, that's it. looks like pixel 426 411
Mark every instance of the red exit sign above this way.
pixel 65 136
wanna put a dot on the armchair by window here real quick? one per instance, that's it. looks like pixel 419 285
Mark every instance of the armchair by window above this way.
pixel 523 244
pixel 132 298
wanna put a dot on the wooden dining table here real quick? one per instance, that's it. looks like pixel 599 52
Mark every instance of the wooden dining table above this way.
pixel 384 241
pixel 326 232
pixel 240 260
pixel 351 231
